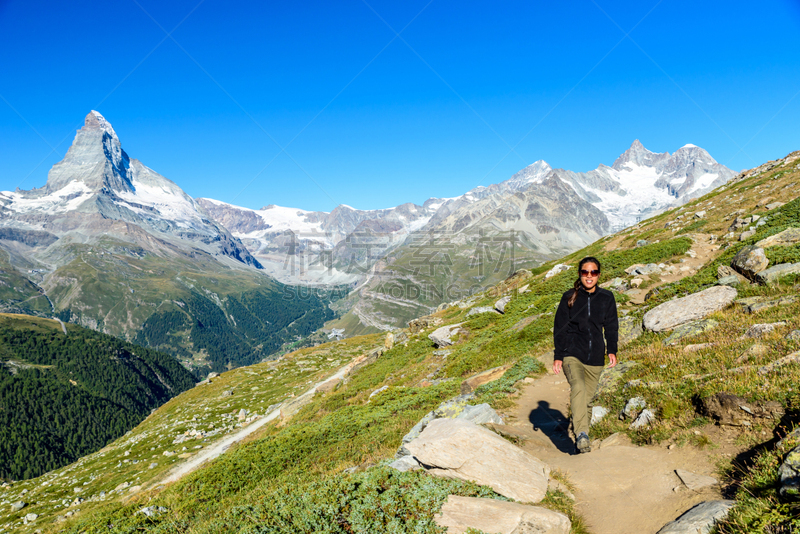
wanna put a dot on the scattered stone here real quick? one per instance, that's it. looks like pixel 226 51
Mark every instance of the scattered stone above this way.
pixel 700 519
pixel 405 463
pixel 754 351
pixel 125 485
pixel 791 358
pixel 641 243
pixel 380 389
pixel 697 347
pixel 790 236
pixel 690 330
pixel 598 412
pixel 481 309
pixel 151 511
pixel 630 328
pixel 17 506
pixel 212 375
pixel 771 303
pixel 693 481
pixel 153 465
pixel 771 275
pixel 441 336
pixel 790 475
pixel 750 261
pixel 774 205
pixel 559 268
pixel 227 393
pixel 442 353
pixel 31 517
pixel 242 414
pixel 729 281
pixel 676 312
pixel 699 214
pixel 454 448
pixel 744 236
pixel 490 375
pixel 364 360
pixel 762 329
pixel 732 410
pixel 645 419
pixel 794 335
pixel 459 514
pixel 639 269
pixel 636 282
pixel 423 323
pixel 501 304
pixel 725 271
pixel 633 406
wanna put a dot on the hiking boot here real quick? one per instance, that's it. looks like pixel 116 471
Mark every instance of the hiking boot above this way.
pixel 583 443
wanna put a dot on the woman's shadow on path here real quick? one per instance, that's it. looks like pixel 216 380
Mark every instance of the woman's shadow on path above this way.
pixel 554 425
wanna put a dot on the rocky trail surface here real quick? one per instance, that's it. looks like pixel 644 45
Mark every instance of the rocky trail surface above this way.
pixel 620 488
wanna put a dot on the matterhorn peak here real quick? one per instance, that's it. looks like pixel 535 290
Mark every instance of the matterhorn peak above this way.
pixel 95 158
pixel 94 121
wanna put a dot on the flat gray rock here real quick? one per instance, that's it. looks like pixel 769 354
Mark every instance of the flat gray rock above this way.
pixel 481 309
pixel 441 336
pixel 645 419
pixel 690 308
pixel 598 412
pixel 501 304
pixel 459 514
pixel 700 519
pixel 790 236
pixel 455 448
pixel 775 272
pixel 762 329
pixel 405 463
pixel 693 481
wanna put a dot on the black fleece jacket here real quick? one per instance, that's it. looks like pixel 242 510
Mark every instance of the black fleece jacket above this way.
pixel 578 331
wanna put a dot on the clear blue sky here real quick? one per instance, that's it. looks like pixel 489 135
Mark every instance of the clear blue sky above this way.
pixel 371 119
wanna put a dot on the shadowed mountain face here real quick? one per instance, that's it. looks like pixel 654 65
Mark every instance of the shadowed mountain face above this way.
pixel 111 244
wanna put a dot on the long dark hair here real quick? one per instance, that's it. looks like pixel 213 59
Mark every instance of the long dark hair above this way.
pixel 576 288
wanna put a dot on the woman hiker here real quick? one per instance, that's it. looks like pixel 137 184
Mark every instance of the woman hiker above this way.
pixel 585 314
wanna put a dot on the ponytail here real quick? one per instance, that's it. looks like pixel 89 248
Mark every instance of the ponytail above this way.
pixel 574 296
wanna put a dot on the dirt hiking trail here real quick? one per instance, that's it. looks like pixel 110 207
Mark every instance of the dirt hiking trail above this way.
pixel 619 488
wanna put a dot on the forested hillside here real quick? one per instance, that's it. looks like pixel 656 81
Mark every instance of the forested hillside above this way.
pixel 63 396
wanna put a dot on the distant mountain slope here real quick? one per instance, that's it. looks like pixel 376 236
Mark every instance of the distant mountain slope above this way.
pixel 65 395
pixel 112 245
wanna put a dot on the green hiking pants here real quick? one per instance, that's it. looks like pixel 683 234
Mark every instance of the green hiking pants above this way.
pixel 582 380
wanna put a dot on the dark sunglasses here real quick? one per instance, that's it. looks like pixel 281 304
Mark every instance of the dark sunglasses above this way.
pixel 593 272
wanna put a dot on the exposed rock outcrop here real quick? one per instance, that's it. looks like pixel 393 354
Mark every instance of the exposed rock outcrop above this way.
pixel 690 308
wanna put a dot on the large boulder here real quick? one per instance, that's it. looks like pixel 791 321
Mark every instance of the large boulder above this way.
pixel 771 275
pixel 501 304
pixel 559 268
pixel 455 448
pixel 459 514
pixel 690 308
pixel 441 336
pixel 750 261
pixel 700 519
pixel 790 236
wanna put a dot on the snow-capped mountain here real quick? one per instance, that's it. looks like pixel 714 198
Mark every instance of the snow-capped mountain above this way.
pixel 641 183
pixel 97 185
pixel 296 245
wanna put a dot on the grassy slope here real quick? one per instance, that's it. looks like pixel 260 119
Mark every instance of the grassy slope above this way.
pixel 290 479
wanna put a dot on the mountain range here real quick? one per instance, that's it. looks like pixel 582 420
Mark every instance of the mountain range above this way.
pixel 111 244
